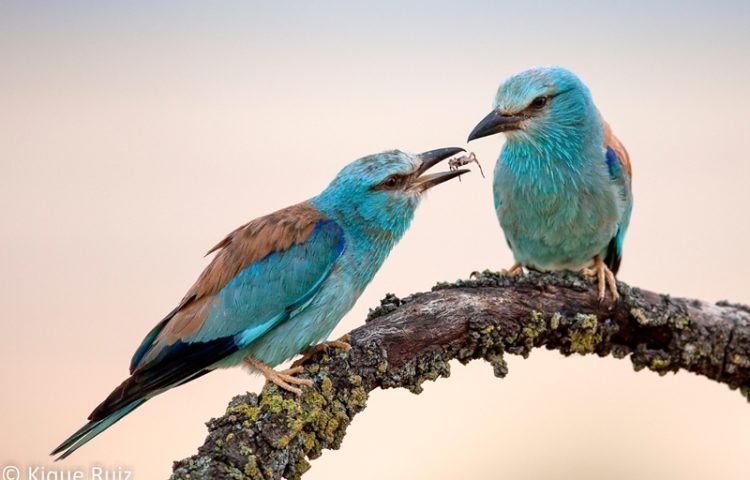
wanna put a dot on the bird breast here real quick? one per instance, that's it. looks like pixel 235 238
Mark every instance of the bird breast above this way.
pixel 555 220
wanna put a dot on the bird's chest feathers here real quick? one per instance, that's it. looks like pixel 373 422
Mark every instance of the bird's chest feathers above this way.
pixel 554 213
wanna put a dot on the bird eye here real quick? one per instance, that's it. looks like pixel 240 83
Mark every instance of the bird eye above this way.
pixel 539 102
pixel 391 182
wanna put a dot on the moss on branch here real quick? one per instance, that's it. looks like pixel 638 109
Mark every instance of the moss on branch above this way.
pixel 405 342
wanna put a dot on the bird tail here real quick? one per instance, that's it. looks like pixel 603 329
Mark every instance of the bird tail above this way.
pixel 94 428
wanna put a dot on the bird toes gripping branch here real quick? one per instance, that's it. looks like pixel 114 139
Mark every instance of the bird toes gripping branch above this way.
pixel 515 270
pixel 284 379
pixel 341 344
pixel 605 278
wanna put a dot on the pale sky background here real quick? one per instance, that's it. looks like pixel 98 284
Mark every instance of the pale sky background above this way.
pixel 133 137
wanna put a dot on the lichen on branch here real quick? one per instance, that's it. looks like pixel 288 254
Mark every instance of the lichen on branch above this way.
pixel 405 342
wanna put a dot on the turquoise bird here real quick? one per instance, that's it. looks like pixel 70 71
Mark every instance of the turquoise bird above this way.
pixel 562 182
pixel 278 284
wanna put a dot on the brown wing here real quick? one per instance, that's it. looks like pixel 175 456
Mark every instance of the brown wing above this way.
pixel 610 140
pixel 621 171
pixel 253 241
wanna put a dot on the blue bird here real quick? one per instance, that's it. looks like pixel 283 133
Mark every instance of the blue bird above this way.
pixel 562 182
pixel 278 284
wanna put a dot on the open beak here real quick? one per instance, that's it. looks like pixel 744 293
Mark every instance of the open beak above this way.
pixel 494 123
pixel 420 182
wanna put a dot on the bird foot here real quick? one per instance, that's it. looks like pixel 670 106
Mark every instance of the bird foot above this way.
pixel 284 379
pixel 605 278
pixel 514 271
pixel 341 344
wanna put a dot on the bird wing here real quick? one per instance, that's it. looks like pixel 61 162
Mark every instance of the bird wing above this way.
pixel 621 172
pixel 263 273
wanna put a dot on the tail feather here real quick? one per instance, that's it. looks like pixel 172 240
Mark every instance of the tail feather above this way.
pixel 94 428
pixel 614 254
pixel 176 365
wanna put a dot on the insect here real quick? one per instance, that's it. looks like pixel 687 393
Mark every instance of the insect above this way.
pixel 455 163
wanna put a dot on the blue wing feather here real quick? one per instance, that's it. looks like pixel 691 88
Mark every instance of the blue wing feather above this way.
pixel 235 301
pixel 262 295
pixel 149 340
pixel 620 176
pixel 270 290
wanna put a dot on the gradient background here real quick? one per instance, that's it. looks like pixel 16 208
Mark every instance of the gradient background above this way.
pixel 132 137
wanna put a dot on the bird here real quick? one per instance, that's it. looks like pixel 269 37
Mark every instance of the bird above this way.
pixel 278 284
pixel 562 183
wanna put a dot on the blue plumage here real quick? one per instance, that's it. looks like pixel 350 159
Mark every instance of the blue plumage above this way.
pixel 278 284
pixel 562 182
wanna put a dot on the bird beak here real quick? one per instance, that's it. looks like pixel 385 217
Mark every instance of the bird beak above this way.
pixel 420 182
pixel 494 123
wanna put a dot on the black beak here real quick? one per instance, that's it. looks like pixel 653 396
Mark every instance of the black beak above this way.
pixel 494 123
pixel 433 157
pixel 429 160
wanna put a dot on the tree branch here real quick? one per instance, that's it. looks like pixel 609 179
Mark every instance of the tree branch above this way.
pixel 407 341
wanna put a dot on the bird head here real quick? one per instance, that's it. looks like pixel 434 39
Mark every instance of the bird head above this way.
pixel 379 193
pixel 537 104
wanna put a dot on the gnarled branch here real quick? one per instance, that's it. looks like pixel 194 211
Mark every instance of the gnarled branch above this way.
pixel 407 341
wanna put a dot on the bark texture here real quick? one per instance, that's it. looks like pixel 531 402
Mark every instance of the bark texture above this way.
pixel 407 341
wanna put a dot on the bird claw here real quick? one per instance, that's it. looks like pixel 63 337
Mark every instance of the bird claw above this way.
pixel 284 379
pixel 292 371
pixel 341 344
pixel 605 278
pixel 514 271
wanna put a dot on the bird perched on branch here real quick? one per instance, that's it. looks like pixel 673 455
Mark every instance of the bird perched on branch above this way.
pixel 278 284
pixel 562 182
